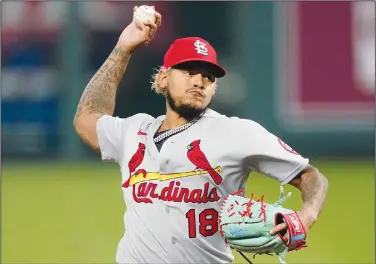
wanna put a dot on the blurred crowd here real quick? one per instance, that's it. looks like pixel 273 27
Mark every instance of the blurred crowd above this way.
pixel 39 40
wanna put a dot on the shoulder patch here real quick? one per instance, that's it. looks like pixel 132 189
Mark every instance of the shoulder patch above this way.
pixel 287 147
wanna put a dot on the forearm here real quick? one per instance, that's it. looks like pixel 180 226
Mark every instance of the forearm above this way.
pixel 99 95
pixel 313 186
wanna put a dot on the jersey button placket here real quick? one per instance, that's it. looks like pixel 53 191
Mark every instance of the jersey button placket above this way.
pixel 173 239
pixel 169 213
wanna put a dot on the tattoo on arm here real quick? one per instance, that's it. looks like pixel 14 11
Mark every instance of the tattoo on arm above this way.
pixel 99 95
pixel 313 186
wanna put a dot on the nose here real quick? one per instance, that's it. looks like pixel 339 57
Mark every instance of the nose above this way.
pixel 197 80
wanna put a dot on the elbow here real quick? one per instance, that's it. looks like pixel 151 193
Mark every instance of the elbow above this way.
pixel 85 125
pixel 311 176
pixel 76 123
pixel 79 124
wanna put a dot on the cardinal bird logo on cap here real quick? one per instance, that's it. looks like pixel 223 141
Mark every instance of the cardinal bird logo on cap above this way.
pixel 198 158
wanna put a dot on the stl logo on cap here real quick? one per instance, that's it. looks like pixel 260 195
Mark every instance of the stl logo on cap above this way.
pixel 201 48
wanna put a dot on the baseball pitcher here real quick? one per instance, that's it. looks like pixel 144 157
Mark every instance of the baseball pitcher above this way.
pixel 183 173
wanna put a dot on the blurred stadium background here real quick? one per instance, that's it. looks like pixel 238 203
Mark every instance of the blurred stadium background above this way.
pixel 305 70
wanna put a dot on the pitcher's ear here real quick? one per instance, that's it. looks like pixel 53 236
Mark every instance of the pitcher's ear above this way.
pixel 163 78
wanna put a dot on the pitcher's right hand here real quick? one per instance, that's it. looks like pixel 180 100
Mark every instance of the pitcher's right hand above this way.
pixel 134 35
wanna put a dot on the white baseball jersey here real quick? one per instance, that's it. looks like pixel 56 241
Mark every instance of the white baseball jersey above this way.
pixel 173 196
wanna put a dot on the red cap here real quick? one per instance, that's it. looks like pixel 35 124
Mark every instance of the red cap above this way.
pixel 193 49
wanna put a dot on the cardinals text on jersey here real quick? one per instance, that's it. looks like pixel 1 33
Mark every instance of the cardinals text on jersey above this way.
pixel 145 191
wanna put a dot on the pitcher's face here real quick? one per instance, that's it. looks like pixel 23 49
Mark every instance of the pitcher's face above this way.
pixel 190 88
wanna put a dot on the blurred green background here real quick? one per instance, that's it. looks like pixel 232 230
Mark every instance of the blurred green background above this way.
pixel 304 70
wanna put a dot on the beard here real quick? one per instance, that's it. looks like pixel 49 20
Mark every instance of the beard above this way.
pixel 187 111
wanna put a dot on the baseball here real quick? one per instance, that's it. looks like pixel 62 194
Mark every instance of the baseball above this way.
pixel 144 14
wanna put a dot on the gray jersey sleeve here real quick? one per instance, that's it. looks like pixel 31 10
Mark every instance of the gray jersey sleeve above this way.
pixel 270 156
pixel 111 132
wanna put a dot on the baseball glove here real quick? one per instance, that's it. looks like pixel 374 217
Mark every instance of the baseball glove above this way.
pixel 245 224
